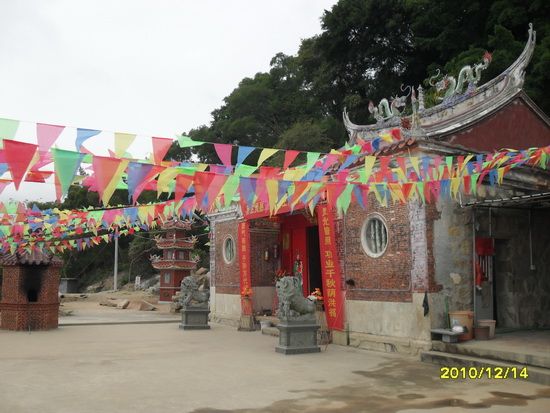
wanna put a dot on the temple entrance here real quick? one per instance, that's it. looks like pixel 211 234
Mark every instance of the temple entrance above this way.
pixel 314 258
pixel 300 241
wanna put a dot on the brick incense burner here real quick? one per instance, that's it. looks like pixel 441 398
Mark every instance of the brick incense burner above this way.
pixel 29 291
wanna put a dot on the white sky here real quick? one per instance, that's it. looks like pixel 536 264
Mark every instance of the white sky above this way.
pixel 155 68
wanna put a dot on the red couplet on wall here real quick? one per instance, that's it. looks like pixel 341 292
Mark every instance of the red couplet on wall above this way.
pixel 330 269
pixel 244 258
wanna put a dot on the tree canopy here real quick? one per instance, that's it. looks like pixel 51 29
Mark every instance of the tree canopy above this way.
pixel 366 50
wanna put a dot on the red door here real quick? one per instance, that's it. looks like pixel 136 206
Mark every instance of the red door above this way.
pixel 294 245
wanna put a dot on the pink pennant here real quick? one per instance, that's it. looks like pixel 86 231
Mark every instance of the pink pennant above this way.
pixel 224 152
pixel 18 157
pixel 46 135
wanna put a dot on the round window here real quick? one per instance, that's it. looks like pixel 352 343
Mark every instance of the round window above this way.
pixel 374 236
pixel 229 250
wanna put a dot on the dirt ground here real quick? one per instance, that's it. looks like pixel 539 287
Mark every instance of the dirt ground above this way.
pixel 76 303
pixel 158 367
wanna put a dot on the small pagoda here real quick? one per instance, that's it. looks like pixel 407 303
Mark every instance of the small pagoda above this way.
pixel 176 262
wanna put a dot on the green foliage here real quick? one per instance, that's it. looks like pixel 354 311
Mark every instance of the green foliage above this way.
pixel 141 247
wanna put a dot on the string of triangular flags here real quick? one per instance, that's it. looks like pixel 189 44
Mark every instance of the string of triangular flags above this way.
pixel 424 179
pixel 24 160
pixel 23 228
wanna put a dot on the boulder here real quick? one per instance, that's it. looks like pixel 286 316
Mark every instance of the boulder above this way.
pixel 145 306
pixel 122 304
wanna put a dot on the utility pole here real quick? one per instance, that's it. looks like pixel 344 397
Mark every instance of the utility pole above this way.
pixel 115 275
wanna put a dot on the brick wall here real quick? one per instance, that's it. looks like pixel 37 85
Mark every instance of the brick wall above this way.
pixel 388 277
pixel 17 313
pixel 227 275
pixel 262 271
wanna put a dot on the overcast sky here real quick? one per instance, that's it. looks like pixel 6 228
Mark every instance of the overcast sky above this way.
pixel 139 66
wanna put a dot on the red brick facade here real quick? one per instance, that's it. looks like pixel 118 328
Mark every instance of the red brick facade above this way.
pixel 264 235
pixel 385 278
pixel 227 275
pixel 16 312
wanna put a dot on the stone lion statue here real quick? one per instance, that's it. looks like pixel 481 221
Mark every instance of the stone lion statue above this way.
pixel 292 304
pixel 190 294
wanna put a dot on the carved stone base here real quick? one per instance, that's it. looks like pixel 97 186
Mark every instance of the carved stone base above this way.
pixel 297 337
pixel 247 323
pixel 194 318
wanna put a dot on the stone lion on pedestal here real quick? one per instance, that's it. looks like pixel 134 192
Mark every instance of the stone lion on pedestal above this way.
pixel 191 295
pixel 292 303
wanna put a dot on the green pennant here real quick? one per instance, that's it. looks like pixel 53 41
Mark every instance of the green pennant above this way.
pixel 344 199
pixel 187 142
pixel 229 189
pixel 311 159
pixel 245 170
pixel 66 164
pixel 8 127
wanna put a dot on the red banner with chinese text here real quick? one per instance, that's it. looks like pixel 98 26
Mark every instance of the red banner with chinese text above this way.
pixel 330 267
pixel 244 258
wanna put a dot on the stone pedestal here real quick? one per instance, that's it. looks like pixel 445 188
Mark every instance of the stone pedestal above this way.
pixel 194 318
pixel 298 337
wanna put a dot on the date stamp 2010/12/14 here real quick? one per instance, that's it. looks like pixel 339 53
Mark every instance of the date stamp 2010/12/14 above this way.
pixel 475 373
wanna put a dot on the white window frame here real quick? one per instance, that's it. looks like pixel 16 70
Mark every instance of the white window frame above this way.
pixel 225 258
pixel 363 235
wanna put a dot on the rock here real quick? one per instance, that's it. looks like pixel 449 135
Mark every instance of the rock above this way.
pixel 145 306
pixel 175 307
pixel 108 302
pixel 123 304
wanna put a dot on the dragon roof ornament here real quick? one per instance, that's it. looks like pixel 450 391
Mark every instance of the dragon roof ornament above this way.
pixel 462 103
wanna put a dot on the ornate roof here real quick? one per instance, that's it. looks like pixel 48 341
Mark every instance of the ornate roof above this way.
pixel 176 224
pixel 457 110
pixel 178 243
pixel 163 264
pixel 35 257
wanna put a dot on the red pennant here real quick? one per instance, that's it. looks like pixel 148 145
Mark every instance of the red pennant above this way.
pixel 467 181
pixel 18 157
pixel 160 149
pixel 183 182
pixel 334 189
pixel 202 181
pixel 406 189
pixel 289 157
pixel 396 134
pixel 104 170
pixel 214 189
pixel 38 176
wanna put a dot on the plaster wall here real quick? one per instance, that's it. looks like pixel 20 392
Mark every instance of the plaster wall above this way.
pixel 452 249
pixel 388 326
pixel 225 308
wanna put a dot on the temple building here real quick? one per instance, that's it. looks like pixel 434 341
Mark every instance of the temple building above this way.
pixel 391 273
pixel 176 261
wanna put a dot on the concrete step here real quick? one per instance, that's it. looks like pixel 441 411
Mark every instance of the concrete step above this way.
pixel 526 355
pixel 536 374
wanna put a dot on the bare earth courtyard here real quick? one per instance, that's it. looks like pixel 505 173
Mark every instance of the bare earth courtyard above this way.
pixel 158 367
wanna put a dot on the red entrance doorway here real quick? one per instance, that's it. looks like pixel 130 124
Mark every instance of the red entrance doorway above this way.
pixel 300 239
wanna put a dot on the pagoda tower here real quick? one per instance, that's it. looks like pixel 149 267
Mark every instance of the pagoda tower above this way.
pixel 176 262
